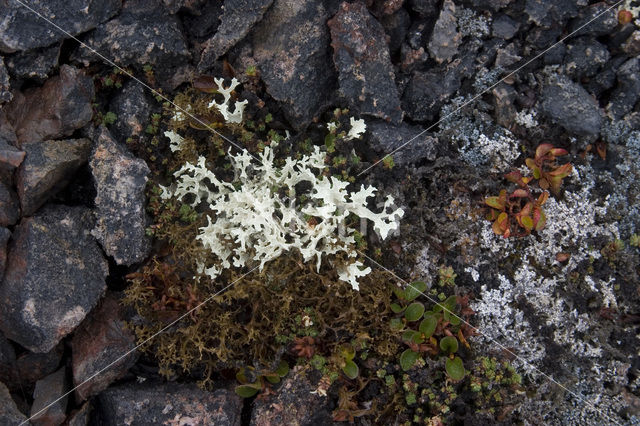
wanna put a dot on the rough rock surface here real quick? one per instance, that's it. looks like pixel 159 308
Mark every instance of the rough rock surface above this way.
pixel 545 13
pixel 385 138
pixel 167 403
pixel 585 57
pixel 5 87
pixel 36 64
pixel 9 207
pixel 47 168
pixel 81 417
pixel 445 37
pixel 572 107
pixel 60 106
pixel 29 367
pixel 238 18
pixel 54 247
pixel 627 91
pixel 120 180
pixel 23 30
pixel 293 404
pixel 603 25
pixel 150 35
pixel 99 341
pixel 9 413
pixel 361 56
pixel 10 156
pixel 133 110
pixel 504 27
pixel 48 390
pixel 5 234
pixel 291 48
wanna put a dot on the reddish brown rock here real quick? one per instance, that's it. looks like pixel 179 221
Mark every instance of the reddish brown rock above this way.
pixel 50 390
pixel 9 212
pixel 99 341
pixel 9 413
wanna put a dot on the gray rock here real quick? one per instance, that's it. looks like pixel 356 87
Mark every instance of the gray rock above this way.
pixel 120 180
pixel 9 413
pixel 47 168
pixel 133 110
pixel 302 407
pixel 150 35
pixel 57 109
pixel 55 275
pixel 627 91
pixel 23 30
pixel 361 56
pixel 504 27
pixel 601 26
pixel 494 5
pixel 396 26
pixel 505 110
pixel 543 38
pixel 10 156
pixel 30 367
pixel 48 390
pixel 555 55
pixel 9 207
pixel 238 18
pixel 445 37
pixel 81 416
pixel 100 341
pixel 174 6
pixel 568 104
pixel 425 8
pixel 5 234
pixel 7 352
pixel 291 48
pixel 36 64
pixel 507 56
pixel 546 13
pixel 385 138
pixel 585 57
pixel 606 78
pixel 632 45
pixel 204 23
pixel 167 403
pixel 5 86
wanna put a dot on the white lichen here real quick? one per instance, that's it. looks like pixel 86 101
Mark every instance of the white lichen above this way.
pixel 238 109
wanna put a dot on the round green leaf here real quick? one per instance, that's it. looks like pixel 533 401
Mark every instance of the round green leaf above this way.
pixel 396 324
pixel 407 359
pixel 428 325
pixel 246 391
pixel 350 369
pixel 412 336
pixel 396 309
pixel 283 369
pixel 272 378
pixel 414 290
pixel 454 368
pixel 414 311
pixel 449 344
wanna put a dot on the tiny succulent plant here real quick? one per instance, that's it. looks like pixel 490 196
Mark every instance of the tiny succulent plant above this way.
pixel 252 382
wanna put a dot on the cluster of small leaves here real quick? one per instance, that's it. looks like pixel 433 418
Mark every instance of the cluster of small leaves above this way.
pixel 340 148
pixel 436 332
pixel 518 213
pixel 492 382
pixel 253 381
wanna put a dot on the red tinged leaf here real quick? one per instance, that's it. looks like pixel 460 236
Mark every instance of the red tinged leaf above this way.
pixel 527 223
pixel 561 171
pixel 601 149
pixel 520 193
pixel 542 150
pixel 542 198
pixel 495 202
pixel 562 257
pixel 557 152
pixel 501 225
pixel 205 83
pixel 541 221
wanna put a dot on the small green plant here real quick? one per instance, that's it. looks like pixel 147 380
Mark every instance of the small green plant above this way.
pixel 253 382
pixel 387 162
pixel 545 168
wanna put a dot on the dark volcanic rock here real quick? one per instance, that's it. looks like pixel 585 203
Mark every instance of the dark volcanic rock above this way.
pixel 361 56
pixel 505 110
pixel 81 416
pixel 5 86
pixel 174 6
pixel 54 110
pixel 10 156
pixel 47 168
pixel 55 276
pixel 627 91
pixel 293 404
pixel 99 341
pixel 133 110
pixel 601 26
pixel 9 210
pixel 30 367
pixel 204 23
pixel 34 64
pixel 606 78
pixel 47 390
pixel 5 234
pixel 545 13
pixel 120 179
pixel 143 33
pixel 23 30
pixel 445 37
pixel 425 8
pixel 568 104
pixel 291 47
pixel 385 138
pixel 396 27
pixel 632 45
pixel 9 413
pixel 167 403
pixel 585 57
pixel 238 18
pixel 504 27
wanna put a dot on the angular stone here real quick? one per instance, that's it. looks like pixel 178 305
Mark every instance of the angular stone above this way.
pixel 57 109
pixel 504 27
pixel 174 6
pixel 29 367
pixel 445 37
pixel 9 208
pixel 205 22
pixel 238 18
pixel 7 358
pixel 291 48
pixel 5 234
pixel 167 403
pixel 143 33
pixel 81 417
pixel 55 275
pixel 585 57
pixel 47 168
pixel 23 30
pixel 293 404
pixel 425 8
pixel 506 57
pixel 385 138
pixel 546 13
pixel 505 110
pixel 361 55
pixel 9 413
pixel 47 391
pixel 603 25
pixel 10 156
pixel 120 180
pixel 35 65
pixel 133 110
pixel 627 91
pixel 5 87
pixel 100 341
pixel 632 45
pixel 568 104
pixel 396 27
